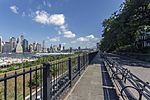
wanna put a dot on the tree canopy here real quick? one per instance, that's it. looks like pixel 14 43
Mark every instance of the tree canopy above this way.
pixel 124 26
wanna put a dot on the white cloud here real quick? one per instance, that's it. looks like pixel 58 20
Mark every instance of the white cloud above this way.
pixel 14 9
pixel 66 32
pixel 69 34
pixel 86 38
pixel 55 39
pixel 82 39
pixel 57 19
pixel 44 18
pixel 90 36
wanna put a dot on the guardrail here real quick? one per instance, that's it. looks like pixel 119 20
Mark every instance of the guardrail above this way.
pixel 128 86
pixel 47 81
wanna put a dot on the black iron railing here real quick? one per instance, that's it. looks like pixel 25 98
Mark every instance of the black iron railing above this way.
pixel 128 86
pixel 44 82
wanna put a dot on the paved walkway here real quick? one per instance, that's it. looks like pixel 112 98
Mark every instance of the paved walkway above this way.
pixel 89 86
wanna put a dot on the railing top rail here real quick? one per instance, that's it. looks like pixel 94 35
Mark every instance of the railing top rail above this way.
pixel 19 74
pixel 136 82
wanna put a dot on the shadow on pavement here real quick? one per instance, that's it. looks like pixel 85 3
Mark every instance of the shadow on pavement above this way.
pixel 108 88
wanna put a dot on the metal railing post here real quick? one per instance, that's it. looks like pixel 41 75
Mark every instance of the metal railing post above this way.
pixel 89 56
pixel 70 71
pixel 46 81
pixel 79 64
pixel 84 61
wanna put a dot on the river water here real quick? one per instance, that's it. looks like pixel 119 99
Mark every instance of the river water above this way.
pixel 24 55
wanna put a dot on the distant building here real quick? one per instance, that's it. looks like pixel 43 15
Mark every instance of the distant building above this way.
pixel 1 45
pixel 7 47
pixel 13 44
pixel 31 48
pixel 59 47
pixel 38 47
pixel 55 48
pixel 63 48
pixel 143 40
pixel 19 48
pixel 43 47
pixel 34 47
pixel 51 49
pixel 21 39
pixel 70 50
pixel 25 45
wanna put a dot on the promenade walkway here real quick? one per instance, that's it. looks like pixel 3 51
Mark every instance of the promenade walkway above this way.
pixel 92 85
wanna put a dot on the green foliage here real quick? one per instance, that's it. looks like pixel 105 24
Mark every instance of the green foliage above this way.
pixel 39 61
pixel 36 77
pixel 126 24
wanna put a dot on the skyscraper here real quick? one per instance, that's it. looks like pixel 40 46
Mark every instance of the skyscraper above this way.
pixel 7 47
pixel 63 48
pixel 34 46
pixel 25 45
pixel 13 44
pixel 21 39
pixel 19 48
pixel 38 47
pixel 43 47
pixel 60 48
pixel 31 48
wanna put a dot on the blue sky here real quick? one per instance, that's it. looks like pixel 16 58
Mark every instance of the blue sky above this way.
pixel 69 22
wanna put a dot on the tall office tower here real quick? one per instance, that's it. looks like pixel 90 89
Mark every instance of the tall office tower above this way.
pixel 31 48
pixel 70 50
pixel 7 47
pixel 60 48
pixel 34 46
pixel 13 44
pixel 63 48
pixel 43 47
pixel 51 49
pixel 1 45
pixel 21 39
pixel 25 45
pixel 55 48
pixel 38 47
pixel 19 48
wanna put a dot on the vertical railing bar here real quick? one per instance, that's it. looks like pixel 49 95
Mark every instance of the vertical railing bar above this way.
pixel 15 86
pixel 70 71
pixel 79 64
pixel 51 83
pixel 57 75
pixel 5 87
pixel 23 84
pixel 30 84
pixel 46 81
pixel 53 78
pixel 41 92
pixel 36 81
pixel 55 81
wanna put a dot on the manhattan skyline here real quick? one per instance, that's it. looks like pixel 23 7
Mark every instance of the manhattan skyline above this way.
pixel 70 22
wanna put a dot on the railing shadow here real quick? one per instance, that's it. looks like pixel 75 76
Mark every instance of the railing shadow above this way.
pixel 108 88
